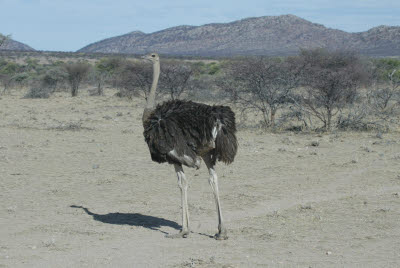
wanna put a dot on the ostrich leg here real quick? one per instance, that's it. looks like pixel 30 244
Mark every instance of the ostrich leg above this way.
pixel 213 180
pixel 183 185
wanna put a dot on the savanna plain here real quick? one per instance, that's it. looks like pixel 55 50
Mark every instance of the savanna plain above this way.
pixel 78 189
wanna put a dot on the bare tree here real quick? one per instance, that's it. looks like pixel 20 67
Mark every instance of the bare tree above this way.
pixel 104 72
pixel 331 80
pixel 261 84
pixel 6 80
pixel 76 73
pixel 385 94
pixel 8 73
pixel 175 78
pixel 135 79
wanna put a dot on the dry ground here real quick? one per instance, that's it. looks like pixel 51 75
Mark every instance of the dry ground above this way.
pixel 78 189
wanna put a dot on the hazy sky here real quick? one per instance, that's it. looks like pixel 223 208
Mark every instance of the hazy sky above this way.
pixel 70 25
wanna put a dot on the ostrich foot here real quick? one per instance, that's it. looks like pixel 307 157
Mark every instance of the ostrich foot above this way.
pixel 221 235
pixel 181 234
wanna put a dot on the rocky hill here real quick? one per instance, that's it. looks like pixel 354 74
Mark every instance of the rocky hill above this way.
pixel 10 44
pixel 271 35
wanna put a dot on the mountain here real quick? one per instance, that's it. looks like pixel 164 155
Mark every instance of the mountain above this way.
pixel 378 41
pixel 10 44
pixel 270 35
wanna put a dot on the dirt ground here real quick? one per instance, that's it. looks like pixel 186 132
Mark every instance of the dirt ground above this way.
pixel 78 189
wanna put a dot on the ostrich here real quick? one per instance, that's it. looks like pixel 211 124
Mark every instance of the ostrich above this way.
pixel 184 132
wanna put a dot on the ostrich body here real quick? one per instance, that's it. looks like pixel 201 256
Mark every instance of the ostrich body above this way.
pixel 184 132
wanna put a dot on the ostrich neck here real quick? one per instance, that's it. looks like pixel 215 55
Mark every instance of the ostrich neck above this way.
pixel 150 103
pixel 152 96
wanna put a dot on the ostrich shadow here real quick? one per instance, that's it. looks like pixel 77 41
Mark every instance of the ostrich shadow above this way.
pixel 132 219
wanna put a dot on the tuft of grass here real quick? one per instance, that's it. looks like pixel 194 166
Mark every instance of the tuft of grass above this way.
pixel 71 126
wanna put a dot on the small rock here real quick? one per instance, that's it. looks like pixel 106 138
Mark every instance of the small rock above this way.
pixel 383 210
pixel 314 143
pixel 305 207
pixel 366 149
pixel 328 253
pixel 287 141
pixel 212 259
pixel 95 166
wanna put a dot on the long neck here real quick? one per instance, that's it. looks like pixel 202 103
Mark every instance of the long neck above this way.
pixel 152 96
pixel 150 104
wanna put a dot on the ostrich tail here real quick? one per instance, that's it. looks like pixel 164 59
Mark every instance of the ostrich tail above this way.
pixel 226 145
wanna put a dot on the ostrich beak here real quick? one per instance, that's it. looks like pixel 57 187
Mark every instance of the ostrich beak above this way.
pixel 145 58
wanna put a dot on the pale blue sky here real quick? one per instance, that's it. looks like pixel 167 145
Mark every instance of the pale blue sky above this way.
pixel 70 25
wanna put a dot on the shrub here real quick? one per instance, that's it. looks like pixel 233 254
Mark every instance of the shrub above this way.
pixel 134 79
pixel 77 71
pixel 331 80
pixel 175 78
pixel 38 92
pixel 263 85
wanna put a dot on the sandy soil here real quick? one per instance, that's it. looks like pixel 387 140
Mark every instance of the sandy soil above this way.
pixel 78 189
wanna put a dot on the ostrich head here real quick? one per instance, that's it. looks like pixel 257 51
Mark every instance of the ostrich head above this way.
pixel 152 57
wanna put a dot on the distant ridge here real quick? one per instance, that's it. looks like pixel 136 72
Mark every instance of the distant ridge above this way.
pixel 10 44
pixel 270 35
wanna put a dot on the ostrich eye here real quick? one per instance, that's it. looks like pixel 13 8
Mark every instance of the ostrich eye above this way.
pixel 153 55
